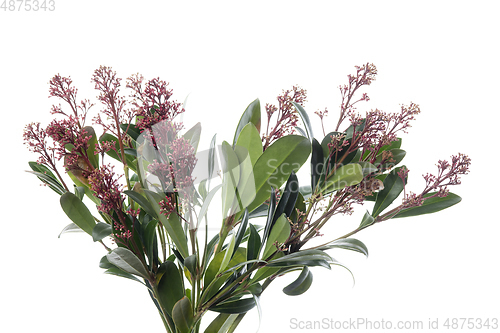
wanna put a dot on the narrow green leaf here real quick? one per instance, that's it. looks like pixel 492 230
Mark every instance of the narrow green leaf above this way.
pixel 100 231
pixel 301 285
pixel 182 314
pixel 70 228
pixel 172 224
pixel 193 136
pixel 126 260
pixel 93 158
pixel 170 286
pixel 303 258
pixel 431 205
pixel 254 243
pixel 77 212
pixel 305 120
pixel 251 115
pixel 317 163
pixel 289 197
pixel 228 254
pixel 232 307
pixel 249 138
pixel 393 186
pixel 241 230
pixel 231 178
pixel 221 323
pixel 211 161
pixel 46 176
pixel 142 201
pixel 348 244
pixel 279 234
pixel 118 272
pixel 206 203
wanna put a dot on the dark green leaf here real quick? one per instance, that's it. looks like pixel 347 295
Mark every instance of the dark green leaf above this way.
pixel 301 285
pixel 238 306
pixel 100 231
pixel 77 212
pixel 170 286
pixel 431 205
pixel 130 160
pixel 303 258
pixel 182 314
pixel 254 243
pixel 317 163
pixel 126 260
pixel 397 157
pixel 288 198
pixel 241 230
pixel 251 115
pixel 348 244
pixel 142 201
pixel 305 120
pixel 393 186
pixel 131 130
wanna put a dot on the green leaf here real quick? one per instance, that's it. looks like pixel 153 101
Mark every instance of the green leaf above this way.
pixel 182 314
pixel 131 130
pixel 77 212
pixel 70 228
pixel 221 323
pixel 93 158
pixel 251 115
pixel 170 286
pixel 45 175
pixel 241 230
pixel 289 197
pixel 347 244
pixel 317 163
pixel 254 243
pixel 228 254
pixel 431 205
pixel 303 258
pixel 214 267
pixel 211 160
pixel 367 220
pixel 279 233
pixel 172 224
pixel 346 175
pixel 230 180
pixel 126 260
pixel 232 307
pixel 100 231
pixel 397 156
pixel 193 136
pixel 206 203
pixel 274 166
pixel 130 160
pixel 118 272
pixel 305 120
pixel 367 168
pixel 301 285
pixel 249 138
pixel 142 201
pixel 393 186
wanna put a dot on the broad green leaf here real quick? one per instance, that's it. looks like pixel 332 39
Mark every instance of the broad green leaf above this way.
pixel 249 138
pixel 193 136
pixel 367 220
pixel 118 272
pixel 126 260
pixel 397 157
pixel 172 224
pixel 142 201
pixel 238 306
pixel 279 233
pixel 347 244
pixel 431 205
pixel 100 231
pixel 70 228
pixel 305 120
pixel 393 186
pixel 246 186
pixel 170 286
pixel 274 166
pixel 77 212
pixel 88 191
pixel 150 242
pixel 182 314
pixel 254 243
pixel 251 115
pixel 346 175
pixel 301 285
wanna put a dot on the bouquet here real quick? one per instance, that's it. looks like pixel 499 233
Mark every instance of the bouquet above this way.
pixel 152 216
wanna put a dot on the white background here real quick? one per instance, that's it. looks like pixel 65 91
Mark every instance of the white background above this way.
pixel 442 55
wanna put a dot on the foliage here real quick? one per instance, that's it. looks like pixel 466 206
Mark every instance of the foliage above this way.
pixel 153 219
